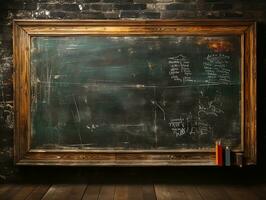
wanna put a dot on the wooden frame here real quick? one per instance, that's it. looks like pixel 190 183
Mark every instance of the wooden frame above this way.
pixel 23 30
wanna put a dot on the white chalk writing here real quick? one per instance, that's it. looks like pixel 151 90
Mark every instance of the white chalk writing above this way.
pixel 217 68
pixel 92 127
pixel 179 69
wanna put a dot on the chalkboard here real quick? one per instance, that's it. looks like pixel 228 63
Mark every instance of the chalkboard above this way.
pixel 135 92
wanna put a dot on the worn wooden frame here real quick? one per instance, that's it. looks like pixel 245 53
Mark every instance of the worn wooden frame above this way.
pixel 23 30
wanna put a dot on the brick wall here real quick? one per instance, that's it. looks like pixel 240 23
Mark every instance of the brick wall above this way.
pixel 115 9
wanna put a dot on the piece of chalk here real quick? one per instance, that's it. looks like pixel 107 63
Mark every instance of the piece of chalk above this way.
pixel 219 154
pixel 227 156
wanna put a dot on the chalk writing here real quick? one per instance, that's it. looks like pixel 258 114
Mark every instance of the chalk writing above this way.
pixel 217 68
pixel 207 106
pixel 179 69
pixel 184 125
pixel 92 127
pixel 189 125
pixel 210 109
pixel 204 128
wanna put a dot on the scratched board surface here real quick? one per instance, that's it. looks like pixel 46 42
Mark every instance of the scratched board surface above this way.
pixel 136 92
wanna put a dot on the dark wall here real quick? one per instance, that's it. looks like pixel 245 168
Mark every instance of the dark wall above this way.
pixel 116 9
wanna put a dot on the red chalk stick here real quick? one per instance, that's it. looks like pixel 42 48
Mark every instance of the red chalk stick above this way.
pixel 219 154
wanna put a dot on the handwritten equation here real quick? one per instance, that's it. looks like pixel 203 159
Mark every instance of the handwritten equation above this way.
pixel 187 125
pixel 179 69
pixel 196 121
pixel 217 67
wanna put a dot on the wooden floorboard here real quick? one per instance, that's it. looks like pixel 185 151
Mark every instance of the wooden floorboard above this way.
pixel 107 192
pixel 212 192
pixel 164 191
pixel 177 192
pixel 259 190
pixel 3 189
pixel 135 192
pixel 92 192
pixel 148 192
pixel 121 192
pixel 17 191
pixel 241 192
pixel 65 191
pixel 191 192
pixel 38 192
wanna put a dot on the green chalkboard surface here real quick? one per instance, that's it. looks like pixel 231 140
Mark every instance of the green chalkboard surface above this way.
pixel 135 92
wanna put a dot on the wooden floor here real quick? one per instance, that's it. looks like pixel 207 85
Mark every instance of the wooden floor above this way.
pixel 132 185
pixel 64 191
